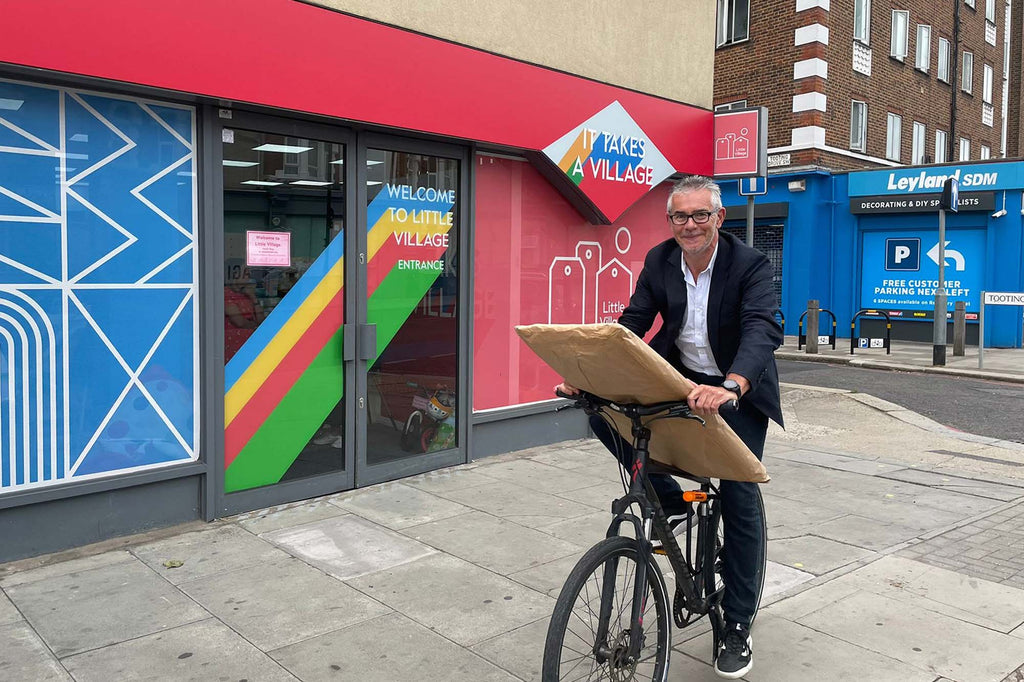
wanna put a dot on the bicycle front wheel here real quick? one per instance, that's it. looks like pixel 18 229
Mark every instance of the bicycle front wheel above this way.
pixel 572 650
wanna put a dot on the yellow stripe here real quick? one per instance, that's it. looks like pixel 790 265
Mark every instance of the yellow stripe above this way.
pixel 271 356
pixel 386 227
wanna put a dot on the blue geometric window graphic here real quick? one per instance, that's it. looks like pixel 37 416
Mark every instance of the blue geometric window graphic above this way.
pixel 99 354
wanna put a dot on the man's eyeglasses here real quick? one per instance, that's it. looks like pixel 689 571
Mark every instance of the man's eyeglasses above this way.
pixel 698 217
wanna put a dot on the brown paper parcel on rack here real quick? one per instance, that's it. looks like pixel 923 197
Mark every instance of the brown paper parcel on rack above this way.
pixel 610 361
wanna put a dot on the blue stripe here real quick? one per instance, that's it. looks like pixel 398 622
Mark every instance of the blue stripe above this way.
pixel 283 311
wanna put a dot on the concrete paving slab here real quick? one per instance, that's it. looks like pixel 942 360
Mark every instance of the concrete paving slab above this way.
pixel 684 668
pixel 497 545
pixel 576 458
pixel 200 652
pixel 779 578
pixel 995 491
pixel 23 656
pixel 66 568
pixel 276 518
pixel 398 506
pixel 101 606
pixel 520 652
pixel 463 602
pixel 795 653
pixel 977 601
pixel 794 513
pixel 8 614
pixel 519 504
pixel 277 603
pixel 598 496
pixel 446 480
pixel 814 555
pixel 548 578
pixel 584 530
pixel 207 552
pixel 538 476
pixel 865 533
pixel 385 649
pixel 923 638
pixel 348 546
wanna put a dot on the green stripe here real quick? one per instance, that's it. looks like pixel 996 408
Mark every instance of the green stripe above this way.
pixel 394 300
pixel 282 437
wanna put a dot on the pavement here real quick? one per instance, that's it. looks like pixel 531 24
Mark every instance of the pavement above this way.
pixel 896 553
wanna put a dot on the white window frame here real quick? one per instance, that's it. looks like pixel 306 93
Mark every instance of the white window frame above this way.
pixel 986 88
pixel 728 106
pixel 900 34
pixel 942 67
pixel 940 146
pixel 726 31
pixel 990 11
pixel 969 3
pixel 965 149
pixel 923 47
pixel 862 21
pixel 893 135
pixel 967 72
pixel 917 144
pixel 858 117
pixel 986 152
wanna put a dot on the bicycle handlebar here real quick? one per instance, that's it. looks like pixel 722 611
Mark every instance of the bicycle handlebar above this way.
pixel 671 408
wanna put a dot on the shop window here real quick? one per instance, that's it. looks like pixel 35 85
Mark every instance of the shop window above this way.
pixel 733 21
pixel 536 260
pixel 99 307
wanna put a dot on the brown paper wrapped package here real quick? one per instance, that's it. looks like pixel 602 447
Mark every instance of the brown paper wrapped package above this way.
pixel 610 361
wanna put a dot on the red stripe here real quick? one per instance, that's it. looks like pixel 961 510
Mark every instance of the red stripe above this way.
pixel 267 397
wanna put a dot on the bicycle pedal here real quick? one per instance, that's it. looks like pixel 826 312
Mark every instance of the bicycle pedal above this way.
pixel 660 550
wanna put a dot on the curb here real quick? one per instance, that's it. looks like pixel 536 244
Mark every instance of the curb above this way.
pixel 894 367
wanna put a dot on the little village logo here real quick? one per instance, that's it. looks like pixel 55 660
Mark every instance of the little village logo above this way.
pixel 611 160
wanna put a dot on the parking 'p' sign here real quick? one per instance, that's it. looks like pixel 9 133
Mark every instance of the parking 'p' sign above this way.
pixel 741 143
pixel 903 254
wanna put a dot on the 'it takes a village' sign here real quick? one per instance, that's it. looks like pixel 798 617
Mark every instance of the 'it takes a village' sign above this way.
pixel 610 159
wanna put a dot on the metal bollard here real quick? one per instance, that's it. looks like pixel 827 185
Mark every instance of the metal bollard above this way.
pixel 812 326
pixel 959 328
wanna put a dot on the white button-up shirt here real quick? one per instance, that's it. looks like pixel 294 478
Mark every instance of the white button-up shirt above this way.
pixel 692 342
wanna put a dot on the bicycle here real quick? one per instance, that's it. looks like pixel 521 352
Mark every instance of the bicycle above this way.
pixel 618 580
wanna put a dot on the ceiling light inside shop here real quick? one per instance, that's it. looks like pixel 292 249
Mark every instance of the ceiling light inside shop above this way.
pixel 11 104
pixel 281 148
pixel 261 183
pixel 371 162
pixel 371 183
pixel 338 162
pixel 239 164
pixel 311 183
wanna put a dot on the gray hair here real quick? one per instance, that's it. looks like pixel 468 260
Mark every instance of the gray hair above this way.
pixel 695 183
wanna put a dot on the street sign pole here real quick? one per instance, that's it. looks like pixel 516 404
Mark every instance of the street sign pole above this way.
pixel 750 220
pixel 948 202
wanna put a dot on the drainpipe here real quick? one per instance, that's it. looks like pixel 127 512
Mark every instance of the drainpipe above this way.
pixel 953 80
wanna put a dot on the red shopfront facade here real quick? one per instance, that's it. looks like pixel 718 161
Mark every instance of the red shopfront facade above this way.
pixel 354 231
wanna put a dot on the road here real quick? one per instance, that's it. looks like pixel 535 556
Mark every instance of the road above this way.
pixel 987 408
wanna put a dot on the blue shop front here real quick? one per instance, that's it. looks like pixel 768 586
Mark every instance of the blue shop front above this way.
pixel 869 240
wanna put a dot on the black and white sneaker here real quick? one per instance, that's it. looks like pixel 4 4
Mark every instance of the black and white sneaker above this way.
pixel 678 523
pixel 735 658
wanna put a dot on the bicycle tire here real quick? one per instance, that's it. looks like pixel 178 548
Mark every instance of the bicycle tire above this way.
pixel 585 582
pixel 411 433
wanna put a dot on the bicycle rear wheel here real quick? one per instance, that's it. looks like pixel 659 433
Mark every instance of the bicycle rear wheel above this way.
pixel 572 652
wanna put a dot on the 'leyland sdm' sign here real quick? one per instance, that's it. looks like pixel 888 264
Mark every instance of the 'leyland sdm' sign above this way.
pixel 610 159
pixel 903 181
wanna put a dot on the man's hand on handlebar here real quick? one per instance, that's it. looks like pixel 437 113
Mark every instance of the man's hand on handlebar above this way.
pixel 705 399
pixel 565 389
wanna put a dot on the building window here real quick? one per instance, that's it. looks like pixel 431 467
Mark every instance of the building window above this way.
pixel 858 126
pixel 969 3
pixel 967 75
pixel 728 106
pixel 965 149
pixel 900 22
pixel 986 152
pixel 986 90
pixel 940 146
pixel 733 21
pixel 990 11
pixel 917 144
pixel 943 66
pixel 924 47
pixel 893 131
pixel 862 21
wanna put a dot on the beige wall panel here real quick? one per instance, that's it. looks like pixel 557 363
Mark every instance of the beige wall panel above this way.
pixel 660 47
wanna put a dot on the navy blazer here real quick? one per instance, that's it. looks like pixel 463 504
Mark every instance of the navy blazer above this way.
pixel 742 329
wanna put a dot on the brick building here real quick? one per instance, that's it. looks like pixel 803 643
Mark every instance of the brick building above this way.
pixel 864 84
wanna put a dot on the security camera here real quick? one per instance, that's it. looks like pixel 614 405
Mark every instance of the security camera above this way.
pixel 1000 213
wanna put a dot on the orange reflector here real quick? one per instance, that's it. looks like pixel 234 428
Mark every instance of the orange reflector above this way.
pixel 694 496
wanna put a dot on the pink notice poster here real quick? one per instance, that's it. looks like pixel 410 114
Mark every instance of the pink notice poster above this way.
pixel 538 260
pixel 268 249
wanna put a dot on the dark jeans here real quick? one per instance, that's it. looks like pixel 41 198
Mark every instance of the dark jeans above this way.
pixel 741 510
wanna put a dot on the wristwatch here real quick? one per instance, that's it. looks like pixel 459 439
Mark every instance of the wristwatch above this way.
pixel 731 385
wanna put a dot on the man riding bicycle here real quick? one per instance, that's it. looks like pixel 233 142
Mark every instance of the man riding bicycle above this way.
pixel 716 299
